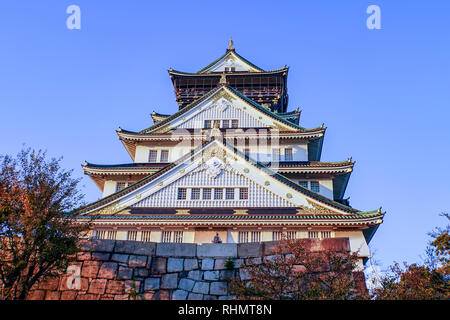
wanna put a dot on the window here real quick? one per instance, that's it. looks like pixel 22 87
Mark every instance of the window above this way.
pixel 178 236
pixel 111 235
pixel 275 154
pixel 243 193
pixel 243 236
pixel 229 193
pixel 216 124
pixel 164 156
pixel 99 234
pixel 225 124
pixel 234 123
pixel 132 235
pixel 182 193
pixel 325 234
pixel 152 156
pixel 277 235
pixel 195 194
pixel 315 186
pixel 218 194
pixel 288 154
pixel 303 184
pixel 206 194
pixel 207 124
pixel 145 236
pixel 255 236
pixel 120 186
pixel 291 235
pixel 166 236
pixel 313 234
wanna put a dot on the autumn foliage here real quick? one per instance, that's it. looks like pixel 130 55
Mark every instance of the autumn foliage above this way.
pixel 294 270
pixel 37 233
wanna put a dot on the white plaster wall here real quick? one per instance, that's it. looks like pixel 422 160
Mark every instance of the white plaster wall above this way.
pixel 357 242
pixel 109 188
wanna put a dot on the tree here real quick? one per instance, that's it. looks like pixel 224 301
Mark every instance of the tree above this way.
pixel 38 236
pixel 294 271
pixel 429 281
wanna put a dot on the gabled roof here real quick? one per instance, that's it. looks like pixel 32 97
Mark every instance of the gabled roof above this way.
pixel 137 187
pixel 231 54
pixel 210 94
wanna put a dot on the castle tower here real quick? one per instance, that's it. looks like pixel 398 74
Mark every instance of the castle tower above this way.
pixel 231 162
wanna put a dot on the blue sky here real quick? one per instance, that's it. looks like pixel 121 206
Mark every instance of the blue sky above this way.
pixel 383 94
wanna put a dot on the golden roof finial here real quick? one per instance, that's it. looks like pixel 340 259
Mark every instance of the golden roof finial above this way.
pixel 230 44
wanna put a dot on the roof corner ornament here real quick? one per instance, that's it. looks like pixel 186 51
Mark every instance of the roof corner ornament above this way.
pixel 120 129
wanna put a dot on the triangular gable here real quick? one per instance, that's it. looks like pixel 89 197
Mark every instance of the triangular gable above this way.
pixel 231 60
pixel 215 158
pixel 224 103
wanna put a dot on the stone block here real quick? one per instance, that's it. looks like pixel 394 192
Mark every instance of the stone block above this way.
pixel 163 295
pixel 122 297
pixel 125 273
pixel 195 274
pixel 52 295
pixel 201 287
pixel 97 286
pixel 97 245
pixel 152 284
pixel 174 264
pixel 68 295
pixel 119 257
pixel 226 274
pixel 195 296
pixel 114 287
pixel 179 295
pixel 100 256
pixel 169 281
pixel 249 250
pixel 108 270
pixel 208 264
pixel 209 297
pixel 90 269
pixel 81 256
pixel 159 265
pixel 211 275
pixel 217 250
pixel 50 283
pixel 141 272
pixel 88 296
pixel 129 285
pixel 227 297
pixel 218 288
pixel 190 264
pixel 176 249
pixel 137 261
pixel 186 284
pixel 243 274
pixel 36 295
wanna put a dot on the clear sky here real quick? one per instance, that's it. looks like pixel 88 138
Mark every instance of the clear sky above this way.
pixel 384 95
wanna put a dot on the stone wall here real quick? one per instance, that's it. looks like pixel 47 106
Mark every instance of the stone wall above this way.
pixel 114 270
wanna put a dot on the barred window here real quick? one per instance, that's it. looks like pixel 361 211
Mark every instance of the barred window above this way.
pixel 164 156
pixel 218 194
pixel 303 184
pixel 325 234
pixel 225 124
pixel 243 236
pixel 313 234
pixel 145 236
pixel 315 186
pixel 132 235
pixel 277 235
pixel 256 236
pixel 288 154
pixel 178 236
pixel 166 236
pixel 206 194
pixel 182 193
pixel 99 234
pixel 234 123
pixel 152 156
pixel 229 193
pixel 291 235
pixel 207 124
pixel 120 186
pixel 243 193
pixel 111 235
pixel 195 194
